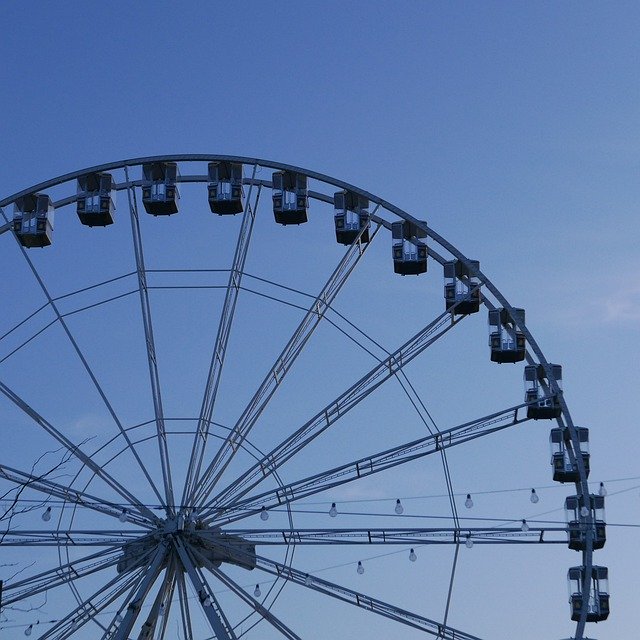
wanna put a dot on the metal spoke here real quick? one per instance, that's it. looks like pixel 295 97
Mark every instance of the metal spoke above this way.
pixel 85 364
pixel 168 601
pixel 159 608
pixel 77 452
pixel 336 409
pixel 220 347
pixel 247 599
pixel 112 627
pixel 78 497
pixel 15 591
pixel 133 609
pixel 282 366
pixel 210 606
pixel 370 465
pixel 397 536
pixel 87 610
pixel 185 614
pixel 362 601
pixel 84 538
pixel 151 349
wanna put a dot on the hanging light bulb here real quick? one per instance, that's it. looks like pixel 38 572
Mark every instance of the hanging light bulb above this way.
pixel 360 568
pixel 161 610
pixel 28 630
pixel 207 602
pixel 256 592
pixel 584 511
pixel 308 580
pixel 333 512
pixel 603 490
pixel 468 542
pixel 468 502
pixel 46 516
pixel 525 526
pixel 534 497
pixel 119 618
pixel 399 508
pixel 412 555
pixel 123 517
pixel 264 514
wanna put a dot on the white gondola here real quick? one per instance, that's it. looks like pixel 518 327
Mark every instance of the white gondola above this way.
pixel 506 340
pixel 33 220
pixel 160 194
pixel 96 199
pixel 351 216
pixel 542 403
pixel 564 468
pixel 581 517
pixel 462 288
pixel 409 249
pixel 290 197
pixel 598 598
pixel 226 196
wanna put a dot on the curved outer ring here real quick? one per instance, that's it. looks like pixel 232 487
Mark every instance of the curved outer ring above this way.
pixel 582 486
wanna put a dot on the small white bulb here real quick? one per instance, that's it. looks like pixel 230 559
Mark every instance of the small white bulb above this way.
pixel 46 516
pixel 534 497
pixel 468 502
pixel 161 610
pixel 308 580
pixel 399 508
pixel 412 555
pixel 28 630
pixel 603 490
pixel 360 568
pixel 207 602
pixel 333 512
pixel 256 592
pixel 468 542
pixel 525 526
pixel 119 618
pixel 123 517
pixel 584 512
pixel 264 514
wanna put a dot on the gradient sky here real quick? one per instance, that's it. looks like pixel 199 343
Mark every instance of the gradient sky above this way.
pixel 512 127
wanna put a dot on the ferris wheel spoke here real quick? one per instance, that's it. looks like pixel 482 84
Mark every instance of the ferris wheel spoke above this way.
pixel 89 608
pixel 218 622
pixel 151 350
pixel 134 607
pixel 87 368
pixel 168 601
pixel 80 498
pixel 220 346
pixel 159 611
pixel 361 600
pixel 116 619
pixel 336 409
pixel 254 604
pixel 369 465
pixel 56 538
pixel 401 536
pixel 282 366
pixel 76 451
pixel 185 614
pixel 60 575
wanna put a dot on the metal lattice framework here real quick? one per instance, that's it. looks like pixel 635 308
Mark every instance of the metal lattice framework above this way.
pixel 190 536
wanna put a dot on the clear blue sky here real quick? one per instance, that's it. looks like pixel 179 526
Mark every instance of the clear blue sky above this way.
pixel 512 127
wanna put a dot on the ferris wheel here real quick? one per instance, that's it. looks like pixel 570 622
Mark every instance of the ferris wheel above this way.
pixel 217 422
